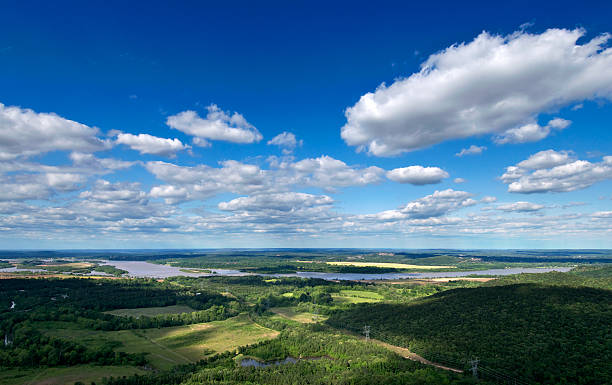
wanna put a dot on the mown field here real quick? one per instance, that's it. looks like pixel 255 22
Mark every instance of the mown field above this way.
pixel 65 375
pixel 166 347
pixel 151 311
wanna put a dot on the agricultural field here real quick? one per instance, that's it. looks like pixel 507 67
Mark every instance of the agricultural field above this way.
pixel 66 375
pixel 357 296
pixel 170 346
pixel 302 317
pixel 151 311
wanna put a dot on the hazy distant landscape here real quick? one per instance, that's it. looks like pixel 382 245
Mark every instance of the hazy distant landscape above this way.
pixel 245 316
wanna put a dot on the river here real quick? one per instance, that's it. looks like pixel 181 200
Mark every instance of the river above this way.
pixel 152 270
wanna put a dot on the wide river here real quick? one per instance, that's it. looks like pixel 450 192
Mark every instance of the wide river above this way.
pixel 152 270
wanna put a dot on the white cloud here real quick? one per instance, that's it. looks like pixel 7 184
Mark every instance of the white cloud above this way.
pixel 24 133
pixel 520 207
pixel 490 85
pixel 551 171
pixel 170 194
pixel 546 159
pixel 286 202
pixel 417 175
pixel 435 205
pixel 287 141
pixel 218 125
pixel 472 150
pixel 488 199
pixel 459 180
pixel 327 173
pixel 148 144
pixel 531 132
pixel 602 214
pixel 65 181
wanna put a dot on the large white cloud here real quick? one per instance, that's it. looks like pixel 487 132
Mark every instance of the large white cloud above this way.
pixel 218 125
pixel 199 182
pixel 417 175
pixel 552 171
pixel 24 132
pixel 438 204
pixel 148 144
pixel 493 84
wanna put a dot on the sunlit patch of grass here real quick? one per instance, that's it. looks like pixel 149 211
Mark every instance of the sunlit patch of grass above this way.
pixel 151 311
pixel 301 317
pixel 65 375
pixel 166 347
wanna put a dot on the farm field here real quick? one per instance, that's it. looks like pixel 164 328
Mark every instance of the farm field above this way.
pixel 65 375
pixel 356 296
pixel 151 311
pixel 301 317
pixel 170 346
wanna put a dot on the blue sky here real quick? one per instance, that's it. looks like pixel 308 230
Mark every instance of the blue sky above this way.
pixel 305 124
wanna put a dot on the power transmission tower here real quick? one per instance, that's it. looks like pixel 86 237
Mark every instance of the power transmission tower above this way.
pixel 366 331
pixel 474 364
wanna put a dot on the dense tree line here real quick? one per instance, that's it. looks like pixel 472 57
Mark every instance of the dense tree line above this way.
pixel 549 334
pixel 30 348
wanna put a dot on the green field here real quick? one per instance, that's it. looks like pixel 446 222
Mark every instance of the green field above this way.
pixel 151 311
pixel 356 296
pixel 65 375
pixel 301 317
pixel 166 347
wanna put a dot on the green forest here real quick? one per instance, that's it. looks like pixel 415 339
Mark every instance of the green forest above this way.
pixel 547 328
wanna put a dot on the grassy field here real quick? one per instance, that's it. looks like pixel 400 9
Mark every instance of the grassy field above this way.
pixel 290 313
pixel 170 346
pixel 65 376
pixel 389 265
pixel 151 311
pixel 356 296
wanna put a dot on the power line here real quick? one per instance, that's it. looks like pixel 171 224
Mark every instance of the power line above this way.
pixel 366 331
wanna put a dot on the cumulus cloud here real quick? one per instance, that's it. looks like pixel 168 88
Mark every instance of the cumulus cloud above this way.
pixel 148 144
pixel 552 171
pixel 520 207
pixel 459 180
pixel 490 85
pixel 286 202
pixel 327 172
pixel 287 141
pixel 218 125
pixel 198 182
pixel 472 150
pixel 531 132
pixel 488 199
pixel 438 204
pixel 24 133
pixel 546 159
pixel 170 194
pixel 417 175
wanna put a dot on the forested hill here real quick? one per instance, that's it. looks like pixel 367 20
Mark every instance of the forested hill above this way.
pixel 546 334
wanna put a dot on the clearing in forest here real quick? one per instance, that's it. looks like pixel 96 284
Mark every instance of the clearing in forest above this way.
pixel 151 311
pixel 166 347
